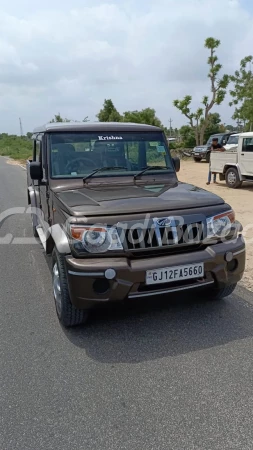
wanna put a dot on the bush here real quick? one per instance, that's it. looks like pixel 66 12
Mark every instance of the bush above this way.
pixel 15 147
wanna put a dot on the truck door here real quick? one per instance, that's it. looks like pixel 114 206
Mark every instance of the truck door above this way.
pixel 44 188
pixel 246 157
pixel 35 183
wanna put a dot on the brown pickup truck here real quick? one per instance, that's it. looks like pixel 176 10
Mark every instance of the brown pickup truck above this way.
pixel 108 207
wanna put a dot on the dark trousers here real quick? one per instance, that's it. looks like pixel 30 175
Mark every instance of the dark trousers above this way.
pixel 210 175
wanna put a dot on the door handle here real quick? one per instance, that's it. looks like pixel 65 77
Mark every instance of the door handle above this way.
pixel 242 154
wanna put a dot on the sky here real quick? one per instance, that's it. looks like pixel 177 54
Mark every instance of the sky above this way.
pixel 68 56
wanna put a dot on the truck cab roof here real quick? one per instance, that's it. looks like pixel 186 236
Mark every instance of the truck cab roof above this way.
pixel 248 134
pixel 58 127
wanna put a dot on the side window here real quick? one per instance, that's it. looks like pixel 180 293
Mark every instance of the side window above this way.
pixel 38 151
pixel 247 145
pixel 40 156
pixel 43 158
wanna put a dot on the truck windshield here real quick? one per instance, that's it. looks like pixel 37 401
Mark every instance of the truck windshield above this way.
pixel 233 140
pixel 75 155
pixel 219 137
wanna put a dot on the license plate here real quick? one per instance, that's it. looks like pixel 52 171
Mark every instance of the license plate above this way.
pixel 177 273
pixel 196 153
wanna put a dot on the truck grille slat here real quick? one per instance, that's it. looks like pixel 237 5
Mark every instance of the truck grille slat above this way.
pixel 155 237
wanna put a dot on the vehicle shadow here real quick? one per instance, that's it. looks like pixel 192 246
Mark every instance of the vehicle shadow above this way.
pixel 155 329
pixel 244 187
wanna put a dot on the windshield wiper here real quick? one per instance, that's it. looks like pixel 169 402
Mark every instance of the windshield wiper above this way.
pixel 139 174
pixel 102 169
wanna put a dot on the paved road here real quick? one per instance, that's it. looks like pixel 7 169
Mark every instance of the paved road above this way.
pixel 169 376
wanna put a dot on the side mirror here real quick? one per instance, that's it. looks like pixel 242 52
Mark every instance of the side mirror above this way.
pixel 36 170
pixel 176 162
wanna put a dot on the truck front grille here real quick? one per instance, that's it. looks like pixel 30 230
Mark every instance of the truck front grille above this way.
pixel 158 237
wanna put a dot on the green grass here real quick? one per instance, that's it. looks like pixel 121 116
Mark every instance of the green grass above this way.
pixel 15 147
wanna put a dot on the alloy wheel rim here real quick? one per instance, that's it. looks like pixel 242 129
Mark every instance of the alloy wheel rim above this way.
pixel 231 178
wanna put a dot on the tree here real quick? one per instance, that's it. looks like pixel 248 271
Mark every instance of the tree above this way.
pixel 187 136
pixel 109 113
pixel 194 118
pixel 58 118
pixel 231 128
pixel 242 93
pixel 146 116
pixel 29 135
pixel 199 119
pixel 214 125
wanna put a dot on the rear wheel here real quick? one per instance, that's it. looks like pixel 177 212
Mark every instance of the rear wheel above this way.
pixel 219 294
pixel 67 313
pixel 232 178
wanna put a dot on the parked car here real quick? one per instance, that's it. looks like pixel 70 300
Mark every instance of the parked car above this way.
pixel 235 165
pixel 108 208
pixel 202 152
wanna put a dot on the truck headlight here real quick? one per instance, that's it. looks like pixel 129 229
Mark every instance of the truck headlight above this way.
pixel 221 225
pixel 96 239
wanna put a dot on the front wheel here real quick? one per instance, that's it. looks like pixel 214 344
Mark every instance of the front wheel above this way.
pixel 34 226
pixel 197 159
pixel 219 294
pixel 232 178
pixel 208 155
pixel 67 313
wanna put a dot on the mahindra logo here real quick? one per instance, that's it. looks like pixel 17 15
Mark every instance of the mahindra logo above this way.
pixel 164 222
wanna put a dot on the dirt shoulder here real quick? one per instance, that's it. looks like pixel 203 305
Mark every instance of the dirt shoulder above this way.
pixel 239 199
pixel 17 162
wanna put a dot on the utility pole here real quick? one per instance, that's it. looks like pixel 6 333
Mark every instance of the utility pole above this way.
pixel 239 124
pixel 170 122
pixel 21 127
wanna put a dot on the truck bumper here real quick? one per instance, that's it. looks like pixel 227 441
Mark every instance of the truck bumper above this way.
pixel 90 284
pixel 200 156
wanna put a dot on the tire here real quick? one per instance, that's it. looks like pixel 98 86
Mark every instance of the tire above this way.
pixel 196 159
pixel 232 178
pixel 35 233
pixel 219 294
pixel 67 313
pixel 208 157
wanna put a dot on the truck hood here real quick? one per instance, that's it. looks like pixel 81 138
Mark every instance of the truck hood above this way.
pixel 231 147
pixel 114 199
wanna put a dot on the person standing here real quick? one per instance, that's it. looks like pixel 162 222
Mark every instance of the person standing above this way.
pixel 215 147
